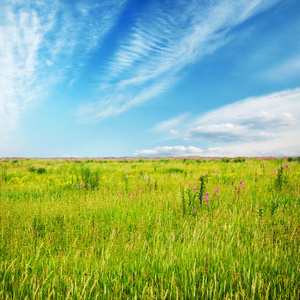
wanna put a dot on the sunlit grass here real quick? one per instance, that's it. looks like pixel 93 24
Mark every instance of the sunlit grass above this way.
pixel 129 235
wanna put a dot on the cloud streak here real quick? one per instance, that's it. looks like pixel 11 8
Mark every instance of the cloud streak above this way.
pixel 285 70
pixel 162 43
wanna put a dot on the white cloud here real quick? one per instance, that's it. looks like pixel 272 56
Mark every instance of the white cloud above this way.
pixel 252 119
pixel 287 145
pixel 226 133
pixel 163 41
pixel 266 125
pixel 170 151
pixel 69 156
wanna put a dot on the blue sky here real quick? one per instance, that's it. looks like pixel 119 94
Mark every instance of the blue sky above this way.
pixel 149 78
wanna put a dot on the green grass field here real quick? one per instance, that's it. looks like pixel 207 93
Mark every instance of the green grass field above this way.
pixel 149 229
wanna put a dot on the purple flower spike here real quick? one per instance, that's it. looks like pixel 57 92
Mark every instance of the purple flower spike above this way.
pixel 287 166
pixel 207 200
pixel 203 197
pixel 200 178
pixel 217 190
pixel 195 189
pixel 88 186
pixel 207 194
pixel 241 182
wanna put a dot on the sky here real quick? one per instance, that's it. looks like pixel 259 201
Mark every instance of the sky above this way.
pixel 149 78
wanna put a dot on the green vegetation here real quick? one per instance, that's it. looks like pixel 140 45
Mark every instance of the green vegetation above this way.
pixel 165 229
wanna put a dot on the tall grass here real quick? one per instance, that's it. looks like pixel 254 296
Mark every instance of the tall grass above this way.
pixel 142 233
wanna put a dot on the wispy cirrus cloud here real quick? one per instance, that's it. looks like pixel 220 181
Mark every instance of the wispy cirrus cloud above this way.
pixel 266 125
pixel 285 70
pixel 171 124
pixel 41 42
pixel 165 39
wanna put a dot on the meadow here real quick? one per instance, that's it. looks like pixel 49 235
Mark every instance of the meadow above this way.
pixel 150 229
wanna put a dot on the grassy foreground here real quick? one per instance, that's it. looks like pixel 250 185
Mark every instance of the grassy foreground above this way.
pixel 149 229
